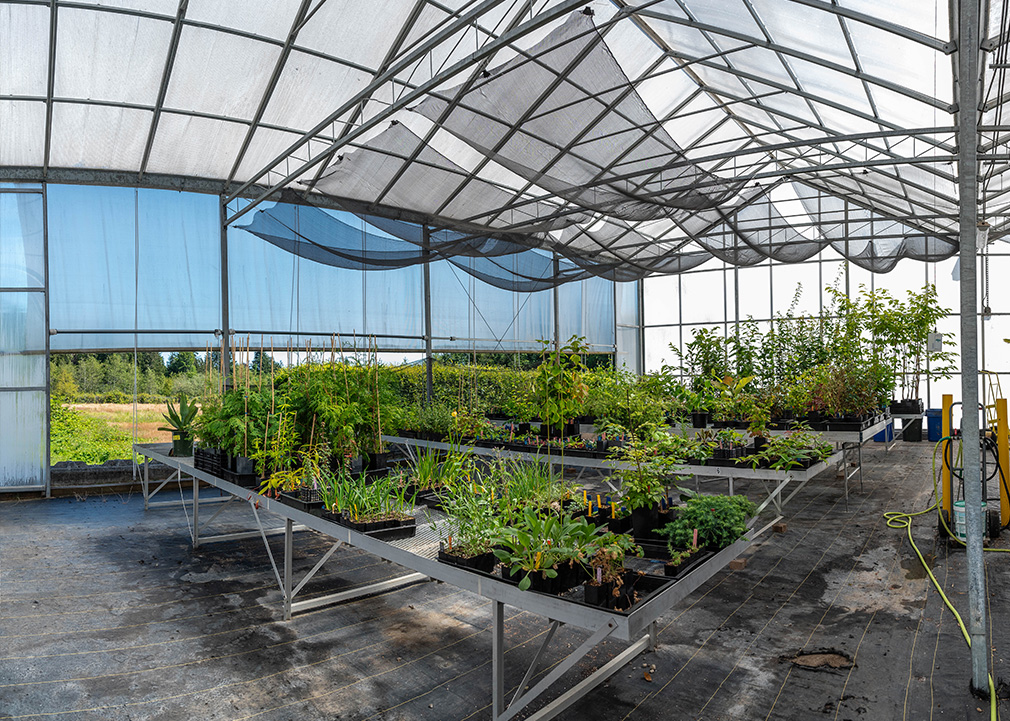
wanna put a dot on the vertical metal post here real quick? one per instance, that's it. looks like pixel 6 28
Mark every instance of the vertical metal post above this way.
pixel 640 294
pixel 497 659
pixel 557 304
pixel 47 461
pixel 288 560
pixel 225 319
pixel 147 480
pixel 196 509
pixel 968 102
pixel 426 252
pixel 946 494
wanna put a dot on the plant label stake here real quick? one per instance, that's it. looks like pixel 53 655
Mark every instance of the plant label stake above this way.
pixel 695 538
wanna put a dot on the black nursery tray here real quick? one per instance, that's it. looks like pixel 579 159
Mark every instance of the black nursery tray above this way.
pixel 851 424
pixel 245 480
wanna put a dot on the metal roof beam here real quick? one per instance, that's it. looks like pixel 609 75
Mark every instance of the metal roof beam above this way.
pixel 50 83
pixel 296 25
pixel 166 74
pixel 792 52
pixel 366 92
pixel 946 47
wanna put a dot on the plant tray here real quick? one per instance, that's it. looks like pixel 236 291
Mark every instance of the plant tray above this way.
pixel 907 407
pixel 297 502
pixel 654 549
pixel 679 572
pixel 407 530
pixel 330 516
pixel 850 424
pixel 245 480
pixel 483 563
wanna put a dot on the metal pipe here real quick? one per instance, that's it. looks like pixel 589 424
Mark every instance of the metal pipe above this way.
pixel 968 101
pixel 426 251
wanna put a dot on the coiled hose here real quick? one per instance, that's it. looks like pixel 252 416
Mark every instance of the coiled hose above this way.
pixel 900 519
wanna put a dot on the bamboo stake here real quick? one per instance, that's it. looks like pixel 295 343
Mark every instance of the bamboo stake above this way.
pixel 343 364
pixel 261 363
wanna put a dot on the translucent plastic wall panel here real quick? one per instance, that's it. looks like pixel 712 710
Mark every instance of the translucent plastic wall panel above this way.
pixel 22 339
pixel 598 313
pixel 267 290
pixel 907 275
pixel 22 443
pixel 571 311
pixel 98 136
pixel 21 258
pixel 22 132
pixel 662 299
pixel 997 353
pixel 241 69
pixel 186 145
pixel 657 347
pixel 702 296
pixel 94 281
pixel 787 279
pixel 393 305
pixel 755 292
pixel 627 307
pixel 628 351
pixel 110 56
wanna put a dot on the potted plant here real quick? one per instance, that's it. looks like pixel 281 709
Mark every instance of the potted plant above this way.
pixel 644 483
pixel 559 386
pixel 606 568
pixel 544 550
pixel 718 520
pixel 180 423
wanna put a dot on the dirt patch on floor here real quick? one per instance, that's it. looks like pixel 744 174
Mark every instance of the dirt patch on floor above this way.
pixel 822 660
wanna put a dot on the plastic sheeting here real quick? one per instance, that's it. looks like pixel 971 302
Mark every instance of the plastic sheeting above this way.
pixel 23 404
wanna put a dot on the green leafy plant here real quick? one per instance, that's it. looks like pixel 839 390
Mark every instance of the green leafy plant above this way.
pixel 539 544
pixel 180 420
pixel 559 386
pixel 649 453
pixel 719 520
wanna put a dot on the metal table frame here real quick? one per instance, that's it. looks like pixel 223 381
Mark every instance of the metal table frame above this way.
pixel 638 627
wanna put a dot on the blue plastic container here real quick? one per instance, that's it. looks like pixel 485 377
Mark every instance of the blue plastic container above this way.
pixel 934 424
pixel 886 435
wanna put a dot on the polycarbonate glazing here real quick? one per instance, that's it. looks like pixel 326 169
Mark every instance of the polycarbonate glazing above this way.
pixel 23 441
pixel 565 115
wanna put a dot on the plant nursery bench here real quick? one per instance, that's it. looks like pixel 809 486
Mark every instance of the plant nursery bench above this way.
pixel 637 626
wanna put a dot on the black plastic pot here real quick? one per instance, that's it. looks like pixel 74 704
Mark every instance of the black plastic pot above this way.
pixel 700 420
pixel 906 407
pixel 643 522
pixel 601 595
pixel 759 443
pixel 484 562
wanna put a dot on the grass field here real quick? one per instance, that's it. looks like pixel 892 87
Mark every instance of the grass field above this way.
pixel 98 432
pixel 120 416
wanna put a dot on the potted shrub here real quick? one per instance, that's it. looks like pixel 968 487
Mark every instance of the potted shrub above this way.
pixel 181 423
pixel 560 389
pixel 718 520
pixel 644 484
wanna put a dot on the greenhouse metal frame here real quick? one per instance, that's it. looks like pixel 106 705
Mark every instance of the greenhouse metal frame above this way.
pixel 624 140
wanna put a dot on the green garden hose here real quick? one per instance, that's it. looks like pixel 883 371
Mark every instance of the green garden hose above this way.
pixel 899 519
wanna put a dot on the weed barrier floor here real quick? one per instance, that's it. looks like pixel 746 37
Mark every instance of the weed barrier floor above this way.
pixel 107 613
